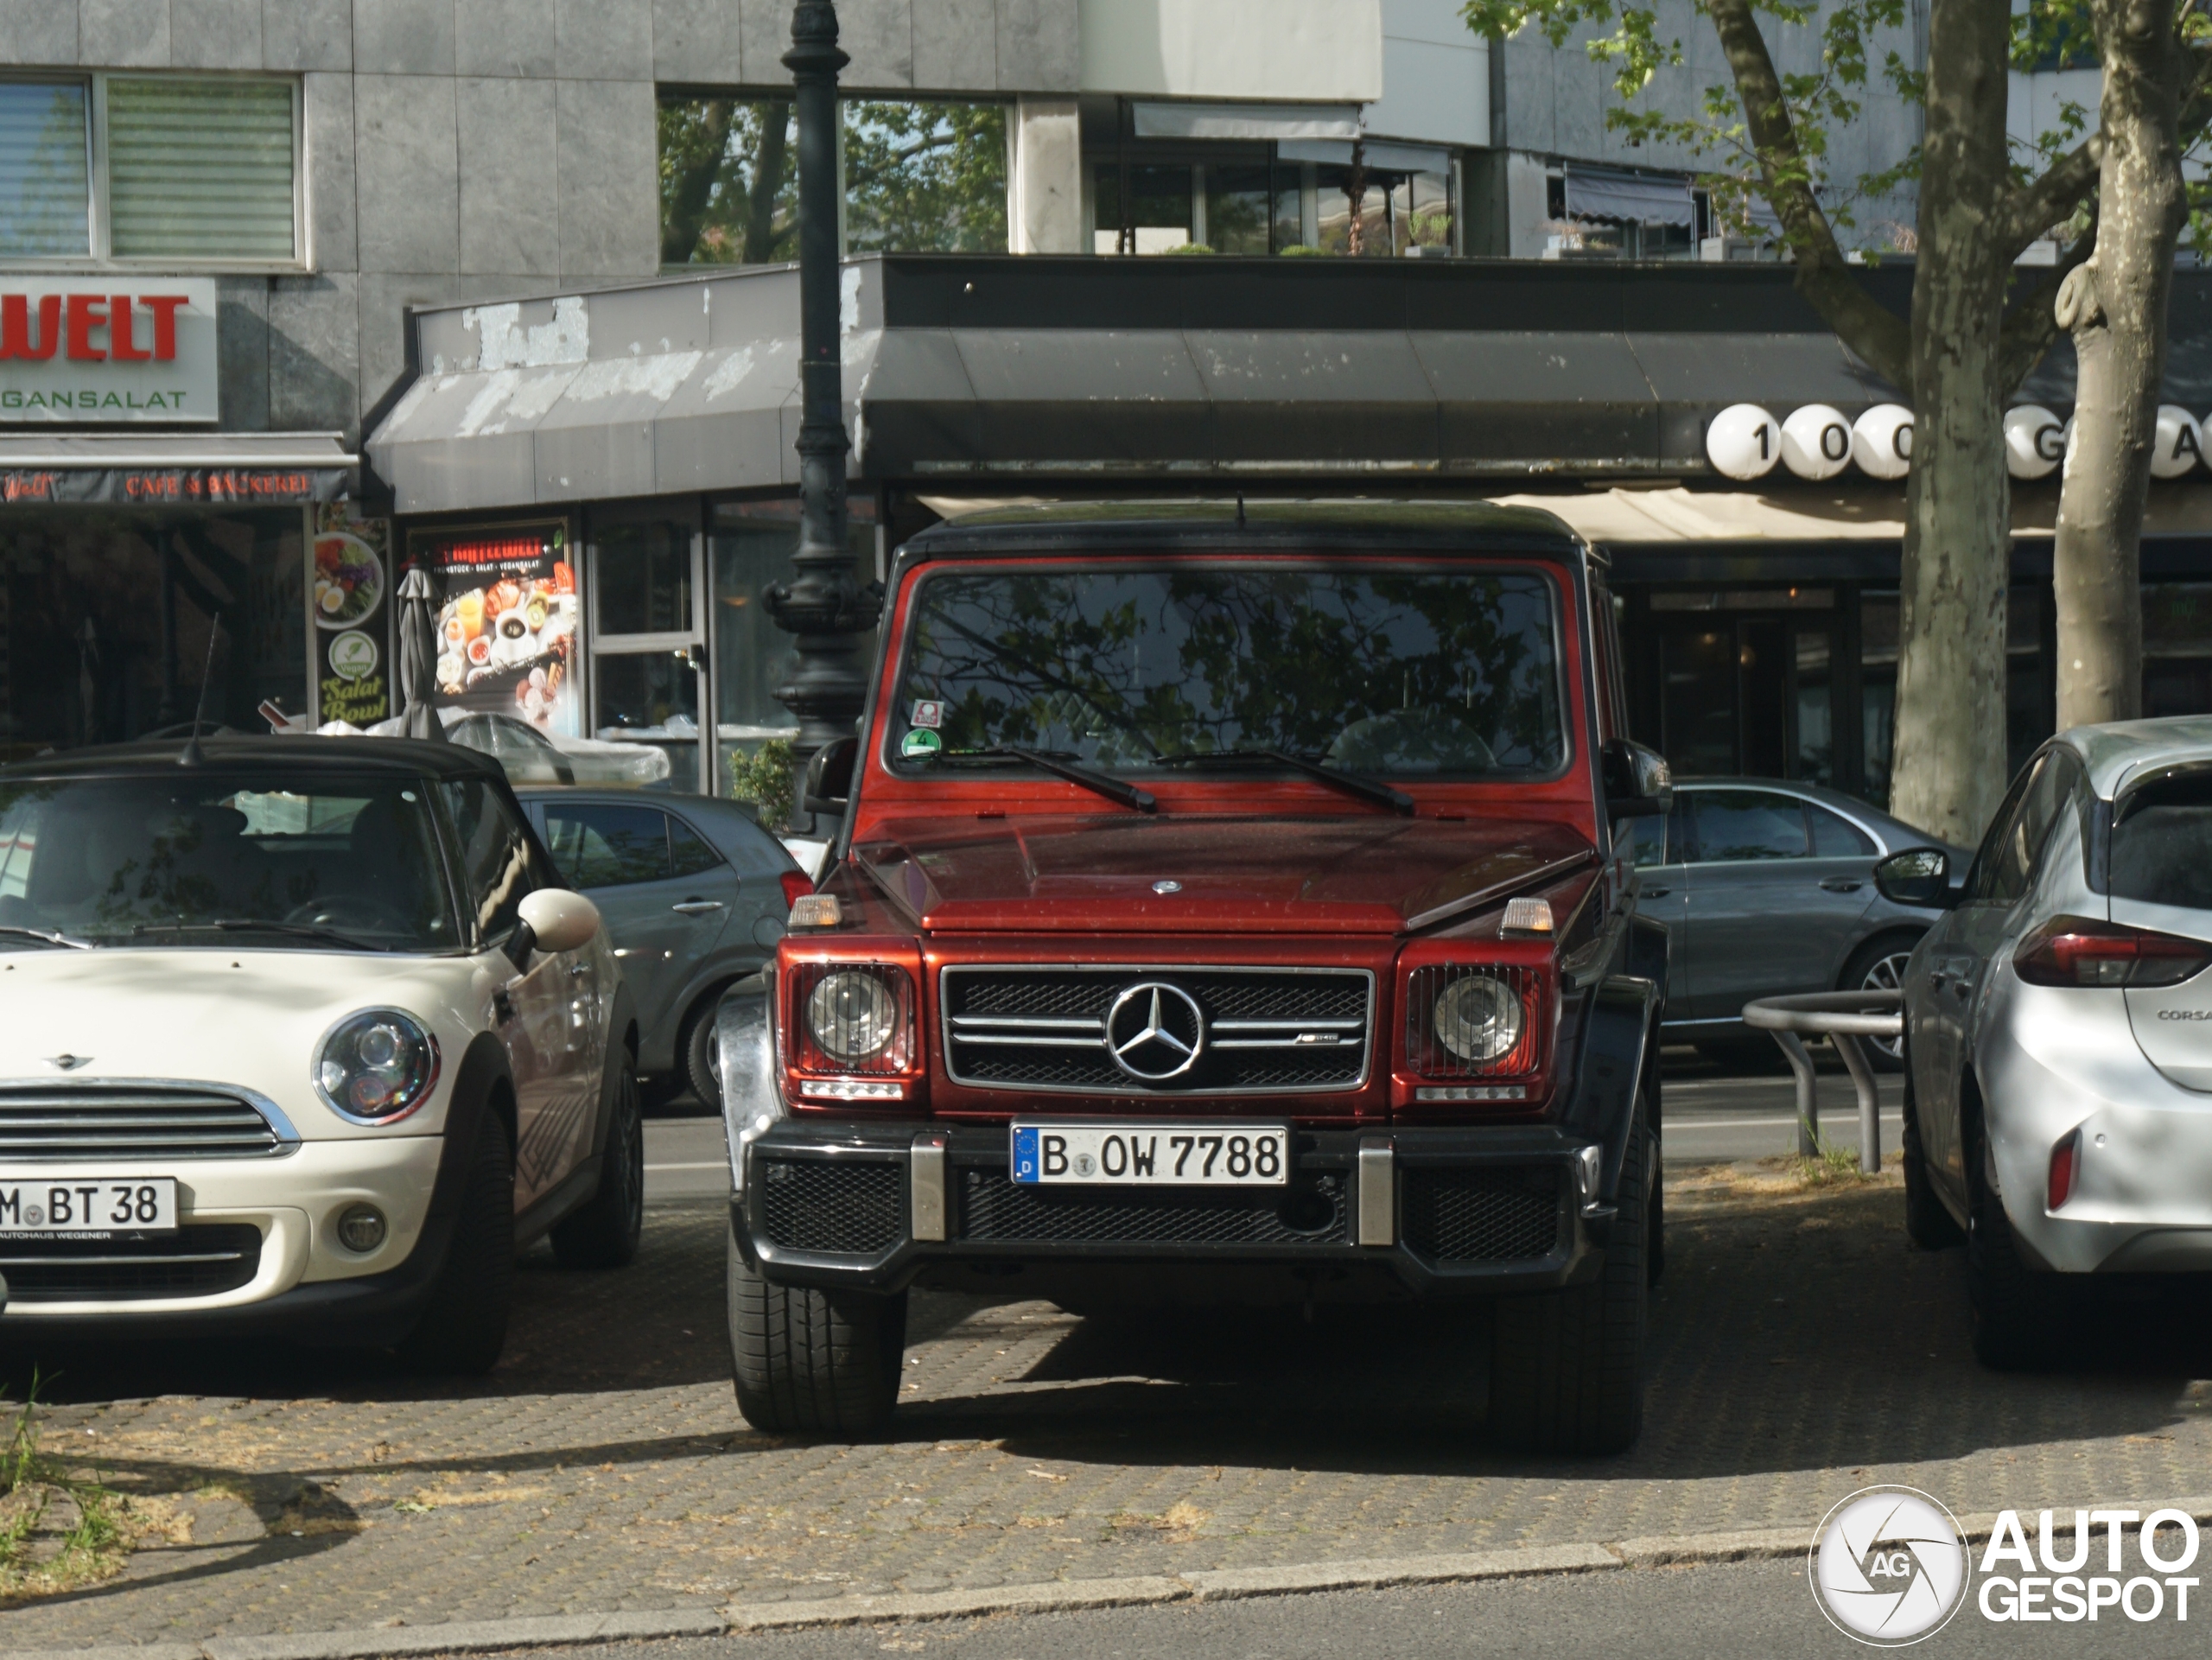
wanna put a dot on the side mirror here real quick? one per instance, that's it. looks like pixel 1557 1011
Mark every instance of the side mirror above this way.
pixel 1920 876
pixel 551 919
pixel 1636 780
pixel 829 777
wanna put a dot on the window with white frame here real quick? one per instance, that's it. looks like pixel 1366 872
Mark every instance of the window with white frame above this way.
pixel 175 170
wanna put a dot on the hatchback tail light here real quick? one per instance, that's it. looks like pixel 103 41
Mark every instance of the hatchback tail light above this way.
pixel 2065 1162
pixel 854 1032
pixel 797 886
pixel 2081 951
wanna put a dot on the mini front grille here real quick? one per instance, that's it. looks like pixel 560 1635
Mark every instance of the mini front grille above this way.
pixel 201 1261
pixel 1269 1030
pixel 996 1210
pixel 1497 1215
pixel 831 1204
pixel 130 1120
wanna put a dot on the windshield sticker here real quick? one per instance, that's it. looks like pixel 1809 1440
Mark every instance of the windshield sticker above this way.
pixel 928 712
pixel 919 744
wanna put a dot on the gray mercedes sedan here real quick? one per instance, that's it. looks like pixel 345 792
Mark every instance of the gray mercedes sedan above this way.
pixel 1767 888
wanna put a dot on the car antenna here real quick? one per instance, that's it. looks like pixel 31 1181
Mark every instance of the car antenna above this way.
pixel 192 757
pixel 1240 509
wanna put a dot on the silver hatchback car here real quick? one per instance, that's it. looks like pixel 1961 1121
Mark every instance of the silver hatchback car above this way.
pixel 2058 1031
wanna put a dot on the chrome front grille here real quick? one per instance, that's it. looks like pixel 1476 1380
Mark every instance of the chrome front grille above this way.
pixel 1266 1030
pixel 112 1121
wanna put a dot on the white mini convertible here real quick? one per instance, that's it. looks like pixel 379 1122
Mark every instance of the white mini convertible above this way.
pixel 302 1038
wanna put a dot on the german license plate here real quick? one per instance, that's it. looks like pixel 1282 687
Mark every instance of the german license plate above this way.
pixel 1153 1155
pixel 87 1204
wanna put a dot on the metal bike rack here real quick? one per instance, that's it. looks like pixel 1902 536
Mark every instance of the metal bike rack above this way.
pixel 1843 1017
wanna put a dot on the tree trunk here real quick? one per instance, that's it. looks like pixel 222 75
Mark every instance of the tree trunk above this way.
pixel 2115 308
pixel 1949 767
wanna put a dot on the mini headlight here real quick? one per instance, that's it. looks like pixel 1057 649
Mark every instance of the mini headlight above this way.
pixel 1478 1018
pixel 376 1066
pixel 852 1015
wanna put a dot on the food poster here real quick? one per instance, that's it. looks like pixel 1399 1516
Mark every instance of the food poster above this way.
pixel 507 622
pixel 349 595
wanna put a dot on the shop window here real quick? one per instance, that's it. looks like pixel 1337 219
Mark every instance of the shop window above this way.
pixel 924 177
pixel 647 654
pixel 2176 648
pixel 920 177
pixel 641 573
pixel 104 617
pixel 147 167
pixel 749 547
pixel 1238 201
pixel 2030 711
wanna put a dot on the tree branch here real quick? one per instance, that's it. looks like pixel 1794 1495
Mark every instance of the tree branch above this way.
pixel 2035 207
pixel 1879 336
pixel 2033 324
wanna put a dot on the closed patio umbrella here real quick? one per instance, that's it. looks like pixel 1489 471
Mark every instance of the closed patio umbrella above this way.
pixel 419 653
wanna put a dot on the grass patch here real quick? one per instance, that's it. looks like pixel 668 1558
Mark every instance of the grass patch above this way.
pixel 58 1529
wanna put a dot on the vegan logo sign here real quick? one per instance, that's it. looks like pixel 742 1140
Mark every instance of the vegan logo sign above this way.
pixel 72 352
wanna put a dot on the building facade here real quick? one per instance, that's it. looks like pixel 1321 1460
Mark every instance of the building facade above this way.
pixel 463 283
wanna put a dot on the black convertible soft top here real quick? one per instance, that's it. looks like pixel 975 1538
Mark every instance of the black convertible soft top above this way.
pixel 290 756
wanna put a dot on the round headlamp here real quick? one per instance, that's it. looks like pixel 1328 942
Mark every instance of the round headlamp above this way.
pixel 1478 1018
pixel 852 1015
pixel 377 1066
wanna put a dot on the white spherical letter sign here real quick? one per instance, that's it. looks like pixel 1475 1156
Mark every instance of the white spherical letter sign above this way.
pixel 2035 442
pixel 1744 441
pixel 2180 444
pixel 1816 441
pixel 1881 442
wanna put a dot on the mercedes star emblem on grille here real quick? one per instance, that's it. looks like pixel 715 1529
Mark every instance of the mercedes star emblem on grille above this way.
pixel 1154 1031
pixel 68 1063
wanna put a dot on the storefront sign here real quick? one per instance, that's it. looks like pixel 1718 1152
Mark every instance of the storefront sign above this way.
pixel 507 621
pixel 348 589
pixel 172 487
pixel 104 350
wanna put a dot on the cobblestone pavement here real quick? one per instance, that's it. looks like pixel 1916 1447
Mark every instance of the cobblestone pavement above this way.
pixel 1800 1352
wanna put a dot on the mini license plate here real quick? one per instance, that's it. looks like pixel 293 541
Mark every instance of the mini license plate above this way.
pixel 87 1205
pixel 1174 1154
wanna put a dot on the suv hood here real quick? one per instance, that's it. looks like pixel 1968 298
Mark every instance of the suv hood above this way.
pixel 1345 874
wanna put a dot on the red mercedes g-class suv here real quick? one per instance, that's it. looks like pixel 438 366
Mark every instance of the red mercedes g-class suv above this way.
pixel 1229 907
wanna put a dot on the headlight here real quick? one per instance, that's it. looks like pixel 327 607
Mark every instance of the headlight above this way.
pixel 376 1066
pixel 852 1016
pixel 1478 1018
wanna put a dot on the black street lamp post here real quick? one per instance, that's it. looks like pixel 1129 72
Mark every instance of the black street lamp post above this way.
pixel 823 606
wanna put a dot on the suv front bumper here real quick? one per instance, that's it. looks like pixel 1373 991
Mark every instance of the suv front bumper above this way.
pixel 1443 1213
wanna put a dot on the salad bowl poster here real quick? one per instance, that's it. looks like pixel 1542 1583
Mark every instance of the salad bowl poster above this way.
pixel 351 562
pixel 506 623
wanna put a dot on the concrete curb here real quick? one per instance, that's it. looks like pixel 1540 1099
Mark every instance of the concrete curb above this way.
pixel 1204 1585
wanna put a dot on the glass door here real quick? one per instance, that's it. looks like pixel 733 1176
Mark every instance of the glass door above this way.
pixel 649 657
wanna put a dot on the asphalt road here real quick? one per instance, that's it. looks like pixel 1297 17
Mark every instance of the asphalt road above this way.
pixel 1711 1114
pixel 1684 1613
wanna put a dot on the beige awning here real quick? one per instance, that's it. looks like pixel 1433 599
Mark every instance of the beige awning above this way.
pixel 1621 517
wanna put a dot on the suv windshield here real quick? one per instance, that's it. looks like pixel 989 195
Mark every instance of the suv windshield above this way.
pixel 1434 671
pixel 189 859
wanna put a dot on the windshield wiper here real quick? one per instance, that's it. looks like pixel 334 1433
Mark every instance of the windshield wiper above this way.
pixel 1366 789
pixel 248 925
pixel 1052 761
pixel 52 937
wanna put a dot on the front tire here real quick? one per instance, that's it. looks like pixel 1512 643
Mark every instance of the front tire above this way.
pixel 463 1327
pixel 806 1361
pixel 695 1050
pixel 606 1232
pixel 1927 1222
pixel 1566 1369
